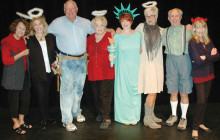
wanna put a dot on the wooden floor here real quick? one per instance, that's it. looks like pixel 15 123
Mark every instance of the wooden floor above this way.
pixel 89 130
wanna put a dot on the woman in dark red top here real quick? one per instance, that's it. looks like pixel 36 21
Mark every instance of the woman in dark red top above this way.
pixel 100 74
pixel 203 54
pixel 15 77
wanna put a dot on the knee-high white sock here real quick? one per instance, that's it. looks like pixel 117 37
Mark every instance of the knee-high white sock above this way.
pixel 174 107
pixel 184 108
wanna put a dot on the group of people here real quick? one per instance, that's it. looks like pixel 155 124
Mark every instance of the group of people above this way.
pixel 28 64
pixel 138 66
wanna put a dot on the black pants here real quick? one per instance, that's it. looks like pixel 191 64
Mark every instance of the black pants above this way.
pixel 42 89
pixel 103 91
pixel 19 100
pixel 202 91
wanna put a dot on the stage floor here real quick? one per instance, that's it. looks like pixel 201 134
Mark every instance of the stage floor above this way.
pixel 89 130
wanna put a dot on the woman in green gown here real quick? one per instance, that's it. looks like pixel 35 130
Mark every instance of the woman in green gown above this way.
pixel 127 101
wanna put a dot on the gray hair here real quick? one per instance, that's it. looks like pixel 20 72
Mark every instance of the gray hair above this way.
pixel 154 9
pixel 179 10
pixel 70 1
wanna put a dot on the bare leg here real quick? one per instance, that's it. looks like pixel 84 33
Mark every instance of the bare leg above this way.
pixel 184 98
pixel 17 125
pixel 174 96
pixel 21 121
pixel 150 99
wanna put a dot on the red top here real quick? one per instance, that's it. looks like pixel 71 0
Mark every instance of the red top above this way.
pixel 10 44
pixel 203 79
pixel 99 65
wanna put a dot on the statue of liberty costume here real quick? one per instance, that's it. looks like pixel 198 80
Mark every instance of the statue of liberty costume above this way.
pixel 127 101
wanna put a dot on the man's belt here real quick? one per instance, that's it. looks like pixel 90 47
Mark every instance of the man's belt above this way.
pixel 71 55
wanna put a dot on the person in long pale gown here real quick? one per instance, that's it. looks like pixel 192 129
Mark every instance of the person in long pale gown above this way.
pixel 127 101
pixel 151 73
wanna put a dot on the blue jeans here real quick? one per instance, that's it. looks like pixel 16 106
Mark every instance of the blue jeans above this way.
pixel 71 89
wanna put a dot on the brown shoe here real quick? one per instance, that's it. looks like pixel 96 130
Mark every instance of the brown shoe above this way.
pixel 105 124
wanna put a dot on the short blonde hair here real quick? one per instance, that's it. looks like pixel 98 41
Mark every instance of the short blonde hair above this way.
pixel 43 21
pixel 100 18
pixel 205 37
pixel 154 9
pixel 179 10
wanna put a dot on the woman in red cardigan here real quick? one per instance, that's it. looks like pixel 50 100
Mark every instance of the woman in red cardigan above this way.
pixel 100 74
pixel 15 77
pixel 203 54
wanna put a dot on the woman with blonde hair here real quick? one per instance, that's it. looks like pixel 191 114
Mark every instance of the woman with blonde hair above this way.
pixel 42 54
pixel 203 54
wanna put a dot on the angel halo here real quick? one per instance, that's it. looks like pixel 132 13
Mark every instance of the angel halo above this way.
pixel 30 13
pixel 149 4
pixel 99 13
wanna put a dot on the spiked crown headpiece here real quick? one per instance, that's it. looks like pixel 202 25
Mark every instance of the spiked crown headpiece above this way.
pixel 123 11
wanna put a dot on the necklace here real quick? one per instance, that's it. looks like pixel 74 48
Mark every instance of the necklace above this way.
pixel 40 38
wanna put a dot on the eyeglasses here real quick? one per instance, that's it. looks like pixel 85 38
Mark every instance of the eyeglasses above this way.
pixel 151 16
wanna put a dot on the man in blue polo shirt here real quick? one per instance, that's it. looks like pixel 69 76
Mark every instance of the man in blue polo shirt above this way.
pixel 71 32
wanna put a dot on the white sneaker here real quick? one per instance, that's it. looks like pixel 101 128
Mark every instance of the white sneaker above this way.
pixel 70 127
pixel 80 118
pixel 182 124
pixel 172 119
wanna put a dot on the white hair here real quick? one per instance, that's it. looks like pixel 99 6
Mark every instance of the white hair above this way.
pixel 154 9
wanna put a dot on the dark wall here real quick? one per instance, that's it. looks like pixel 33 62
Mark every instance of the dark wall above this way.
pixel 54 8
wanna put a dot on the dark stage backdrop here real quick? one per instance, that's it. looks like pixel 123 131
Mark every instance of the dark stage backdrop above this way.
pixel 54 8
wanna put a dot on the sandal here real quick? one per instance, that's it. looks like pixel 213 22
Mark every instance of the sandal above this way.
pixel 27 126
pixel 19 131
